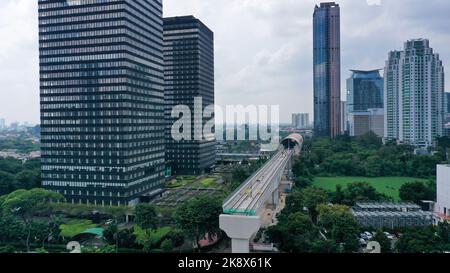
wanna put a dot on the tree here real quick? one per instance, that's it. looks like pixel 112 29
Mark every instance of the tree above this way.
pixel 294 233
pixel 384 241
pixel 28 179
pixel 177 237
pixel 302 182
pixel 370 140
pixel 338 196
pixel 362 191
pixel 99 250
pixel 422 165
pixel 419 240
pixel 6 183
pixel 111 235
pixel 301 168
pixel 200 217
pixel 374 166
pixel 312 197
pixel 120 238
pixel 294 203
pixel 340 226
pixel 146 217
pixel 24 204
pixel 46 231
pixel 7 249
pixel 167 245
pixel 416 192
pixel 443 231
pixel 11 229
pixel 325 246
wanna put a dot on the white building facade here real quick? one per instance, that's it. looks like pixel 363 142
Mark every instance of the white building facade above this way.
pixel 442 207
pixel 414 94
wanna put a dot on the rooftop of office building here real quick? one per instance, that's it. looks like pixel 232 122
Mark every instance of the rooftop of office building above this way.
pixel 363 74
pixel 385 205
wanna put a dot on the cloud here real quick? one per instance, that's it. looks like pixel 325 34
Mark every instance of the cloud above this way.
pixel 19 76
pixel 263 48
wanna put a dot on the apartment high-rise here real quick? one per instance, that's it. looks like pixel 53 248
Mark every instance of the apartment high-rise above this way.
pixel 189 75
pixel 414 94
pixel 447 106
pixel 300 121
pixel 327 70
pixel 102 99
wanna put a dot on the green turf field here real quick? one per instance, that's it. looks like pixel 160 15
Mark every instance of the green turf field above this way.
pixel 75 227
pixel 387 185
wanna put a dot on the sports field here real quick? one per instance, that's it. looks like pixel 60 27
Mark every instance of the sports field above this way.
pixel 387 185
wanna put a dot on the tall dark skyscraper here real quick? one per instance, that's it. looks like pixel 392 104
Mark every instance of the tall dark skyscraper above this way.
pixel 189 74
pixel 102 99
pixel 327 70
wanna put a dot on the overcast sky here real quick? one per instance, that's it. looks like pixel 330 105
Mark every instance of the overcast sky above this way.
pixel 263 47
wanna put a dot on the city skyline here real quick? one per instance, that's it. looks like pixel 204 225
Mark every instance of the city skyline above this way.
pixel 284 62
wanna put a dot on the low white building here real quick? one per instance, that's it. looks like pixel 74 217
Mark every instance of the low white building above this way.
pixel 442 206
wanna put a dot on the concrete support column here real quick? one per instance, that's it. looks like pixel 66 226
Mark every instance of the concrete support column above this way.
pixel 240 229
pixel 276 197
pixel 289 164
pixel 240 245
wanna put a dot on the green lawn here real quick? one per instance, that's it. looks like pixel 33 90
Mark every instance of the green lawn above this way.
pixel 209 182
pixel 75 227
pixel 181 181
pixel 387 185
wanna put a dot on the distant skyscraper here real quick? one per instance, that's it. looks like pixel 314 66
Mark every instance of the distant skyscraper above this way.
pixel 102 99
pixel 447 105
pixel 189 74
pixel 327 70
pixel 2 124
pixel 300 121
pixel 447 114
pixel 344 117
pixel 414 94
pixel 365 90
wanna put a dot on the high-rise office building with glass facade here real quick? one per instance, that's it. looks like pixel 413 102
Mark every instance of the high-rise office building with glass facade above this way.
pixel 414 94
pixel 365 96
pixel 327 70
pixel 365 90
pixel 189 75
pixel 102 99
